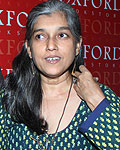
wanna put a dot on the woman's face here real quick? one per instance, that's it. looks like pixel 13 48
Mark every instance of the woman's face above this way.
pixel 52 45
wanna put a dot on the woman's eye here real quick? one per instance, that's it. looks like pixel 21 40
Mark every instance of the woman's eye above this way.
pixel 40 37
pixel 62 35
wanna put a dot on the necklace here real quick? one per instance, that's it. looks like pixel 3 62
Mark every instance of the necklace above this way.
pixel 46 146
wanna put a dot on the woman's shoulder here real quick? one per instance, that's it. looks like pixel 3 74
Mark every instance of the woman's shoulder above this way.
pixel 106 89
pixel 109 93
pixel 2 110
pixel 4 115
pixel 2 91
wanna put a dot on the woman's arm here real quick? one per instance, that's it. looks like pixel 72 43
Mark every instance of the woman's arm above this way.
pixel 102 126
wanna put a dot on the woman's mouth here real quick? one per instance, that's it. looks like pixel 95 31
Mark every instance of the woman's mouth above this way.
pixel 53 60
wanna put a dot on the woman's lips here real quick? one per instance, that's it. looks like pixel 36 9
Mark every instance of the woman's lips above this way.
pixel 53 59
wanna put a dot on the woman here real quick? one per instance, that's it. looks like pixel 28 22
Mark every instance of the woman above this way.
pixel 46 106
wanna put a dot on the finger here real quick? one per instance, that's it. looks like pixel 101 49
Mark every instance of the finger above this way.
pixel 76 74
pixel 82 68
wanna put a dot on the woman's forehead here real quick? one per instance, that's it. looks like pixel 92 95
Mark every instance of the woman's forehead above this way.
pixel 55 18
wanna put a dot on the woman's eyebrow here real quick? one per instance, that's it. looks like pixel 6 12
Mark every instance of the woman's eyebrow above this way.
pixel 64 28
pixel 59 28
pixel 37 30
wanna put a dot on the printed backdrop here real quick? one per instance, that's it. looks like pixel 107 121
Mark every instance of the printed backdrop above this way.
pixel 100 22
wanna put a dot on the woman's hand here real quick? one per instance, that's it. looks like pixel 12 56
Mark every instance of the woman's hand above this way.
pixel 87 88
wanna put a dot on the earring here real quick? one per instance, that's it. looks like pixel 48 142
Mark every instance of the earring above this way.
pixel 32 66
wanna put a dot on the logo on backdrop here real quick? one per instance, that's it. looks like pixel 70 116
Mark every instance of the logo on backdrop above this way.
pixel 10 16
pixel 100 3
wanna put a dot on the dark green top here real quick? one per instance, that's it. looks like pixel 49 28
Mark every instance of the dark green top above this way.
pixel 95 126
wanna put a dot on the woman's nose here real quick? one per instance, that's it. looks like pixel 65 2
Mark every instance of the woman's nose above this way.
pixel 52 44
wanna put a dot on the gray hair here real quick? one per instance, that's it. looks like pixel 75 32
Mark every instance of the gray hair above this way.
pixel 47 8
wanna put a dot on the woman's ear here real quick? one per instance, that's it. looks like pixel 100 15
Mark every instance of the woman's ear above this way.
pixel 28 49
pixel 78 46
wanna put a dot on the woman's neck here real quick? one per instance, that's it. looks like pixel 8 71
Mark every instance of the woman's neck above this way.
pixel 56 85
